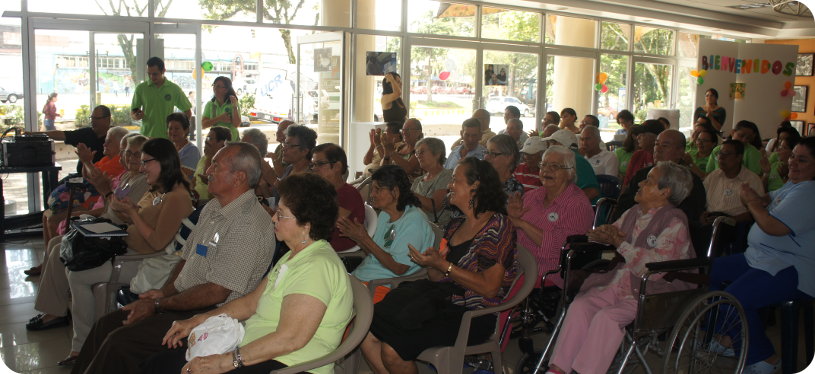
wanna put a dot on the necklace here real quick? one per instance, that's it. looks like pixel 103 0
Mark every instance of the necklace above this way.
pixel 158 199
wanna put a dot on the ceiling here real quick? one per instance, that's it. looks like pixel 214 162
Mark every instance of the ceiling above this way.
pixel 708 16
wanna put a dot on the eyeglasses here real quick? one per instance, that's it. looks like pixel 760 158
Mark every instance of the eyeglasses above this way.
pixel 554 167
pixel 280 216
pixel 145 162
pixel 317 164
pixel 496 154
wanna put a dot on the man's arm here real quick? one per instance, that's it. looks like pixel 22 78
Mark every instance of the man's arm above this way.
pixel 53 134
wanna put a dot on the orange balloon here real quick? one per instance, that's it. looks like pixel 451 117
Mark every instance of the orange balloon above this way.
pixel 602 77
pixel 694 73
pixel 787 85
pixel 793 115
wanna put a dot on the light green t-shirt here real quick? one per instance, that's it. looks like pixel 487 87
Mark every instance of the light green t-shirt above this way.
pixel 624 157
pixel 751 159
pixel 317 272
pixel 158 103
pixel 201 188
pixel 700 161
pixel 213 109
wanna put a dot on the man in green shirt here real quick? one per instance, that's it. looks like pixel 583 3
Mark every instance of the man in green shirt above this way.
pixel 155 99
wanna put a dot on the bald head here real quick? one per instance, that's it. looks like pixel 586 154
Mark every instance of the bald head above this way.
pixel 670 146
pixel 483 116
pixel 549 130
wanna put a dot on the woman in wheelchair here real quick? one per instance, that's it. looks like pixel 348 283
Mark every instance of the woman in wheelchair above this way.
pixel 548 215
pixel 473 269
pixel 651 231
pixel 779 263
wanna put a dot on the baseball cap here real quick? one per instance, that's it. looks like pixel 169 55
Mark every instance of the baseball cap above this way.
pixel 565 137
pixel 533 145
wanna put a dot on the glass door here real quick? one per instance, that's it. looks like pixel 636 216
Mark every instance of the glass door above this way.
pixel 318 100
pixel 651 86
pixel 510 78
pixel 180 47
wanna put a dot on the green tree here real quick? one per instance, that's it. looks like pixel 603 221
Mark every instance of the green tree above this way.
pixel 428 62
pixel 276 11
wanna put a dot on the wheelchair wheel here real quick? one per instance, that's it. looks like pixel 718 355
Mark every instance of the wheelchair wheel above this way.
pixel 711 315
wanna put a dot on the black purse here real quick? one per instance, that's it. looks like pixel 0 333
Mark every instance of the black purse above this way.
pixel 79 252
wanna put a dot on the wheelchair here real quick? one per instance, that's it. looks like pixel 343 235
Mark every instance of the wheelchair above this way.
pixel 671 333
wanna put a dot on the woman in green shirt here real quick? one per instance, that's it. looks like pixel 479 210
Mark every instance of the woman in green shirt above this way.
pixel 223 109
pixel 697 157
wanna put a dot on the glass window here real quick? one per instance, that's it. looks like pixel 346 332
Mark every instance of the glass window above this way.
pixel 379 14
pixel 307 12
pixel 133 8
pixel 612 96
pixel 615 36
pixel 688 44
pixel 116 73
pixel 207 9
pixel 442 89
pixel 571 31
pixel 652 88
pixel 367 106
pixel 441 18
pixel 508 24
pixel 687 96
pixel 516 76
pixel 654 41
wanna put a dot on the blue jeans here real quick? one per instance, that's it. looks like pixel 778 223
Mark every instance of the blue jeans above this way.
pixel 49 125
pixel 754 289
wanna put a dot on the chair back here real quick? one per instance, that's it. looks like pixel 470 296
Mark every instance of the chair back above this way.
pixel 370 219
pixel 609 185
pixel 359 326
pixel 521 288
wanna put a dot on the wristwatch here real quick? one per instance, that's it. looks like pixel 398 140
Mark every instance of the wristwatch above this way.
pixel 237 360
pixel 156 305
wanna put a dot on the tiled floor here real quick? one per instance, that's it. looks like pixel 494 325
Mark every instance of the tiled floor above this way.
pixel 38 352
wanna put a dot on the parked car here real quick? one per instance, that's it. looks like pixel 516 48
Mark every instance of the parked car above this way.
pixel 497 104
pixel 9 96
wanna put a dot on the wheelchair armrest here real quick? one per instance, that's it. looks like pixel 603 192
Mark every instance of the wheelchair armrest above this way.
pixel 677 265
pixel 590 247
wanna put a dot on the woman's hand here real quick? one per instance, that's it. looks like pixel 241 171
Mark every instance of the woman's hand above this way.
pixel 607 234
pixel 377 139
pixel 764 162
pixel 124 207
pixel 515 206
pixel 351 229
pixel 234 100
pixel 213 364
pixel 181 329
pixel 430 258
pixel 749 196
pixel 85 153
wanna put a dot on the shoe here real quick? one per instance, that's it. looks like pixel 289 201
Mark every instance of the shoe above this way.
pixel 762 367
pixel 719 349
pixel 68 361
pixel 34 271
pixel 37 323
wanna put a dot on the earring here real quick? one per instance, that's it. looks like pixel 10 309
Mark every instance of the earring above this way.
pixel 305 238
pixel 471 203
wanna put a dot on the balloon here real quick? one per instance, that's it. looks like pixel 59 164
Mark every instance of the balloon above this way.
pixel 694 73
pixel 702 73
pixel 788 85
pixel 598 86
pixel 785 113
pixel 207 66
pixel 784 93
pixel 444 75
pixel 602 77
pixel 793 115
pixel 604 89
pixel 700 80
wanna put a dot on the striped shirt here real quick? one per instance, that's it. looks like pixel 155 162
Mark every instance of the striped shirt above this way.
pixel 569 214
pixel 527 178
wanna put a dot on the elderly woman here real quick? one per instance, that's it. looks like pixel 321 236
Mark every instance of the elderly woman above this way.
pixel 711 109
pixel 329 161
pixel 502 154
pixel 300 141
pixel 653 230
pixel 705 138
pixel 549 214
pixel 299 311
pixel 779 263
pixel 402 154
pixel 476 262
pixel 401 224
pixel 267 174
pixel 223 109
pixel 431 187
pixel 777 174
pixel 178 131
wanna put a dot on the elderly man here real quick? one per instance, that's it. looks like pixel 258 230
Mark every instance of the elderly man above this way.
pixel 155 99
pixel 586 179
pixel 670 146
pixel 471 133
pixel 593 149
pixel 589 120
pixel 92 137
pixel 527 172
pixel 216 139
pixel 722 185
pixel 268 177
pixel 224 258
pixel 277 154
pixel 483 117
pixel 515 127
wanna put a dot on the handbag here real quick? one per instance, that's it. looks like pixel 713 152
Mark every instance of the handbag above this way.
pixel 79 252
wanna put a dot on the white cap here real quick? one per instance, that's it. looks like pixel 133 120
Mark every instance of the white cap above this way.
pixel 533 144
pixel 565 137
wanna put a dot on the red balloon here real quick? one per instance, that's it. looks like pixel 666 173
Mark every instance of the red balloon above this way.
pixel 444 75
pixel 604 89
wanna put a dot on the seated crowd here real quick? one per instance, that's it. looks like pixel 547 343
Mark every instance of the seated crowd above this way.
pixel 264 249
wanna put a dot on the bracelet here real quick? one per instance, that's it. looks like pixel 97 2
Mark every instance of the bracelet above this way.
pixel 449 269
pixel 237 360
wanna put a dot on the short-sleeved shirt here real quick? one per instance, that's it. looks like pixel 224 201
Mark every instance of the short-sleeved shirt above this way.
pixel 528 179
pixel 231 246
pixel 455 156
pixel 213 109
pixel 521 139
pixel 200 187
pixel 158 102
pixel 699 160
pixel 348 198
pixel 585 173
pixel 792 206
pixel 751 159
pixel 111 166
pixel 316 272
pixel 623 157
pixel 393 237
pixel 604 163
pixel 723 193
pixel 189 155
pixel 639 160
pixel 86 136
pixel 426 188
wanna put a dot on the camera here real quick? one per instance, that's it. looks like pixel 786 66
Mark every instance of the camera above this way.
pixel 386 86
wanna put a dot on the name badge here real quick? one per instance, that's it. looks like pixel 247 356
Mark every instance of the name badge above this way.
pixel 201 250
pixel 553 217
pixel 651 240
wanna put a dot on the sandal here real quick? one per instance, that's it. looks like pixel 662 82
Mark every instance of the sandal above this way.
pixel 33 271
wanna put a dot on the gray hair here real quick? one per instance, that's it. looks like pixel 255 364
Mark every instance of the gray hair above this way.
pixel 436 147
pixel 508 146
pixel 246 159
pixel 676 177
pixel 568 159
pixel 136 140
pixel 593 130
pixel 117 133
pixel 258 139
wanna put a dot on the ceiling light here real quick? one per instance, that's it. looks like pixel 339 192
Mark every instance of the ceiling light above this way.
pixel 749 6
